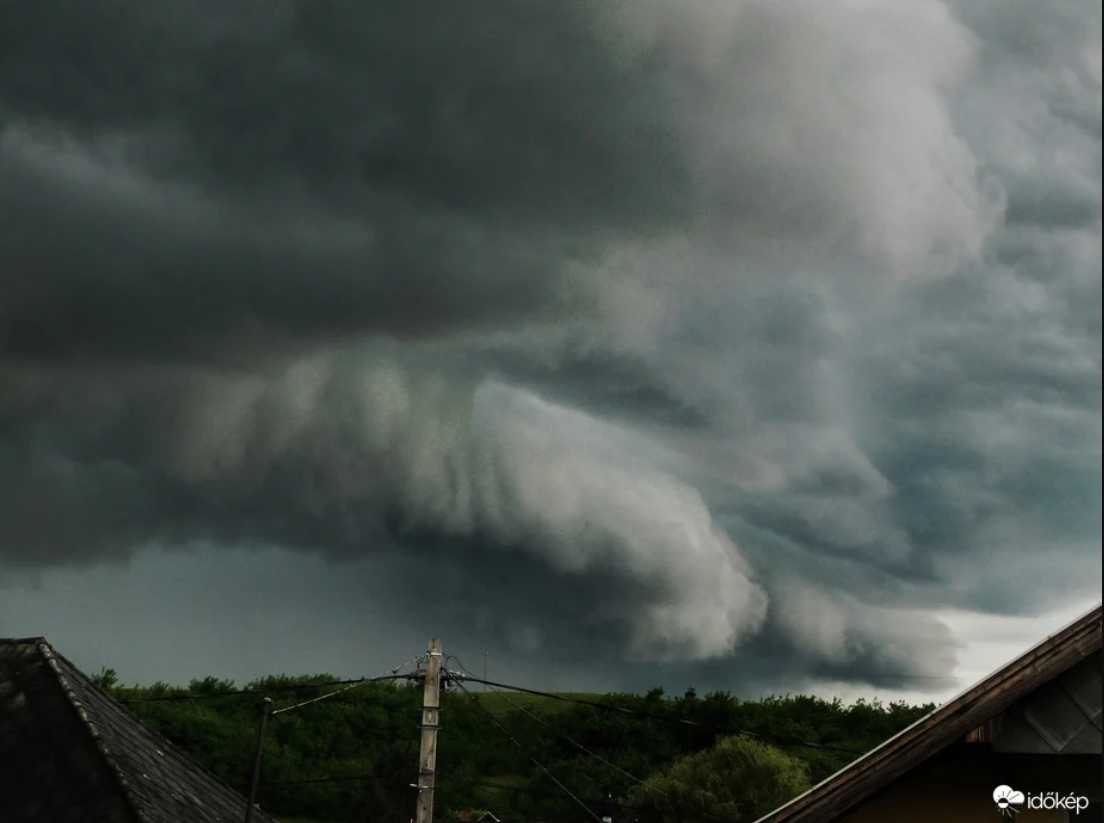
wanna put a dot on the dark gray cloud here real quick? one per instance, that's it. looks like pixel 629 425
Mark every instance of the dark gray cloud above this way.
pixel 519 113
pixel 107 263
pixel 687 329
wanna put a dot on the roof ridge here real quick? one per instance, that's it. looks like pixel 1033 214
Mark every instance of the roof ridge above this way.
pixel 1087 623
pixel 161 741
pixel 50 656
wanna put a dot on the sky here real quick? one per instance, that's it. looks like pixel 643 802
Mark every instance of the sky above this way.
pixel 737 345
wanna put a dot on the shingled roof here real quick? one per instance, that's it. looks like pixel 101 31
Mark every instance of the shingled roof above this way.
pixel 1065 655
pixel 70 752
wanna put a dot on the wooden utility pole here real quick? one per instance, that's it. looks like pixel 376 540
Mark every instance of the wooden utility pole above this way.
pixel 427 759
pixel 255 778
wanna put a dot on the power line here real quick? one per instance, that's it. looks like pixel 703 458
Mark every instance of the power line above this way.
pixel 532 759
pixel 568 738
pixel 353 685
pixel 609 707
pixel 573 742
pixel 563 736
pixel 459 678
pixel 362 778
pixel 260 691
pixel 666 718
pixel 536 792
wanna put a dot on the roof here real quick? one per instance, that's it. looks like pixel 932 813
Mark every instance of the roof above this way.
pixel 947 725
pixel 73 753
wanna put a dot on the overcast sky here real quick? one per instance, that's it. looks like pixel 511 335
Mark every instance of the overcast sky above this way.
pixel 727 343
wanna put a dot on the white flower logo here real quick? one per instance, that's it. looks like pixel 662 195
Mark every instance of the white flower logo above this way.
pixel 1007 799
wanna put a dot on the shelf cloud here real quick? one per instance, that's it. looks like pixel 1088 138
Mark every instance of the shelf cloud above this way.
pixel 710 331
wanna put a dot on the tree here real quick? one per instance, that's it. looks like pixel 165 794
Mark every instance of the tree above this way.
pixel 106 679
pixel 738 779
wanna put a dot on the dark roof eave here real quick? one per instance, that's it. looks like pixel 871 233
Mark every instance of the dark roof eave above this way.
pixel 946 724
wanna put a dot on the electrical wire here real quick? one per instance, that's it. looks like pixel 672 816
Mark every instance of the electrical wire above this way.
pixel 537 718
pixel 394 675
pixel 361 778
pixel 459 678
pixel 532 759
pixel 563 736
pixel 610 707
pixel 257 692
pixel 342 690
pixel 173 698
pixel 535 792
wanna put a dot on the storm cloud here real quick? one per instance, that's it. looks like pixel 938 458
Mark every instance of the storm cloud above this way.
pixel 707 331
